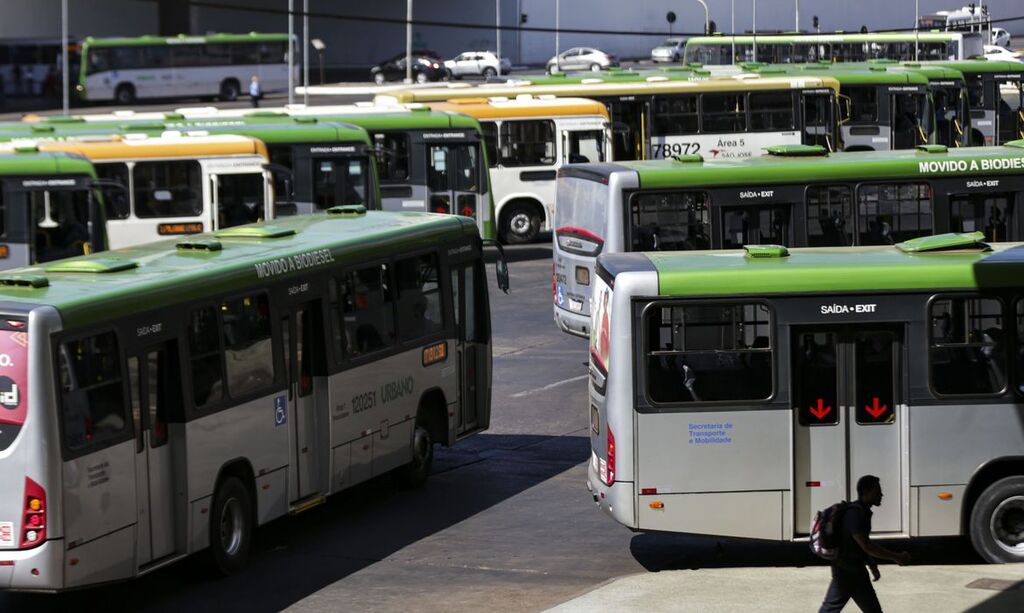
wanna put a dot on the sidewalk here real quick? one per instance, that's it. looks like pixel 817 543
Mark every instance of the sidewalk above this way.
pixel 910 589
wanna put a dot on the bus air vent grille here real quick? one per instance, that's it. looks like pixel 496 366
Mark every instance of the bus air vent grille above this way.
pixel 765 252
pixel 347 210
pixel 797 150
pixel 92 265
pixel 689 158
pixel 24 281
pixel 945 242
pixel 254 232
pixel 199 244
pixel 933 148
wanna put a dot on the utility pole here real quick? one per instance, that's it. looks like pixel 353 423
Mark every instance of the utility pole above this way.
pixel 305 52
pixel 291 51
pixel 754 45
pixel 796 23
pixel 732 28
pixel 64 63
pixel 707 18
pixel 558 60
pixel 497 29
pixel 408 41
pixel 917 26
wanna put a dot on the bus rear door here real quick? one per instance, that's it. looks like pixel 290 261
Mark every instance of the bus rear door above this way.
pixel 848 417
pixel 472 346
pixel 819 118
pixel 302 329
pixel 454 178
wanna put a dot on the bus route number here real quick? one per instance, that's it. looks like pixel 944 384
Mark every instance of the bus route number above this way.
pixel 150 329
pixel 364 402
pixel 664 150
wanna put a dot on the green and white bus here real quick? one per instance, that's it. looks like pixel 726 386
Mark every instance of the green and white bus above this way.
pixel 840 47
pixel 218 65
pixel 772 379
pixel 796 196
pixel 49 208
pixel 269 366
pixel 995 91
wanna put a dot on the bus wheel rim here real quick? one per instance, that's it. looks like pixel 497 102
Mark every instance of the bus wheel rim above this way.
pixel 231 526
pixel 1007 525
pixel 520 224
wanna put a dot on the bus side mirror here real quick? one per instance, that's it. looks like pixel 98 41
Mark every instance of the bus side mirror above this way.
pixel 500 266
pixel 845 108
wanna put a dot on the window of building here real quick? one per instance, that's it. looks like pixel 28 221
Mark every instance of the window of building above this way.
pixel 709 353
pixel 670 221
pixel 92 391
pixel 419 297
pixel 966 346
pixel 890 213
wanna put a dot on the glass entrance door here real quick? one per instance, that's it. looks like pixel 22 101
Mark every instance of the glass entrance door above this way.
pixel 454 181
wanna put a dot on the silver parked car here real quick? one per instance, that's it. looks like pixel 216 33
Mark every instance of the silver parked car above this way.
pixel 669 51
pixel 483 63
pixel 581 58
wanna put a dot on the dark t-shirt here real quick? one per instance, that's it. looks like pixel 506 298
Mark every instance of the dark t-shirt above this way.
pixel 856 520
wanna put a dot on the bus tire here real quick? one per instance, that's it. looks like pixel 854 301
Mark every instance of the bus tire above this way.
pixel 231 526
pixel 489 72
pixel 997 521
pixel 125 93
pixel 520 223
pixel 415 473
pixel 229 90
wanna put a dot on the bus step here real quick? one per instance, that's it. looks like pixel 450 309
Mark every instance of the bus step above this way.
pixel 306 504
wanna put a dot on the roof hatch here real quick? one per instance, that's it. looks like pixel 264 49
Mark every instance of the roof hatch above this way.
pixel 797 150
pixel 766 252
pixel 24 281
pixel 945 242
pixel 347 210
pixel 92 266
pixel 689 158
pixel 199 244
pixel 933 148
pixel 254 232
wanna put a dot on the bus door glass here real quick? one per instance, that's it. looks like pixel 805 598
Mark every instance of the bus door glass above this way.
pixel 454 180
pixel 949 119
pixel 910 120
pixel 990 213
pixel 307 392
pixel 582 146
pixel 472 346
pixel 155 381
pixel 61 223
pixel 633 129
pixel 239 198
pixel 1009 114
pixel 847 404
pixel 339 180
pixel 756 224
pixel 819 119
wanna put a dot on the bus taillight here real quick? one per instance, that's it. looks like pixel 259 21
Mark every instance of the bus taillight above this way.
pixel 33 525
pixel 609 478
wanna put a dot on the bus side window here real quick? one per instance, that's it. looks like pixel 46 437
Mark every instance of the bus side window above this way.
pixel 675 115
pixel 528 143
pixel 168 189
pixel 116 201
pixel 419 297
pixel 966 346
pixel 394 159
pixel 723 113
pixel 586 146
pixel 893 212
pixel 772 111
pixel 248 352
pixel 205 357
pixel 92 400
pixel 368 304
pixel 670 221
pixel 489 129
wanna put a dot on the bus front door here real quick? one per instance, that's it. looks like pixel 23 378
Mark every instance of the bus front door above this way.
pixel 455 179
pixel 156 398
pixel 819 119
pixel 303 340
pixel 632 134
pixel 848 419
pixel 1009 112
pixel 472 348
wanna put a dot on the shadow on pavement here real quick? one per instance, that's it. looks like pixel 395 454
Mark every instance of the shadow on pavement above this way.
pixel 1011 598
pixel 295 557
pixel 656 552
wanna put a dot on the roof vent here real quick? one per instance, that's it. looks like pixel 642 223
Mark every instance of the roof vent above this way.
pixel 797 150
pixel 266 114
pixel 254 232
pixel 1019 143
pixel 41 128
pixel 305 119
pixel 199 244
pixel 64 119
pixel 173 115
pixel 92 265
pixel 347 210
pixel 24 281
pixel 932 148
pixel 945 242
pixel 689 158
pixel 766 252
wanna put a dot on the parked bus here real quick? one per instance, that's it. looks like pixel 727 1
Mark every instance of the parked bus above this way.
pixel 842 47
pixel 49 208
pixel 528 139
pixel 725 117
pixel 428 160
pixel 995 91
pixel 315 164
pixel 772 379
pixel 269 366
pixel 795 196
pixel 175 184
pixel 219 65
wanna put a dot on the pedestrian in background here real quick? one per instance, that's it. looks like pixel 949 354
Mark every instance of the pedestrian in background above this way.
pixel 856 553
pixel 255 91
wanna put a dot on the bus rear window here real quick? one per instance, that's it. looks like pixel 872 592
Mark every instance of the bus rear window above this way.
pixel 92 391
pixel 708 353
pixel 582 204
pixel 13 384
pixel 967 346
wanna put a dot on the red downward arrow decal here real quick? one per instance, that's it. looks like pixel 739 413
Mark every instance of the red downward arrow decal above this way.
pixel 821 410
pixel 875 411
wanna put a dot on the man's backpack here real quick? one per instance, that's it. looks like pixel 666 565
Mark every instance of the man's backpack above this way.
pixel 826 531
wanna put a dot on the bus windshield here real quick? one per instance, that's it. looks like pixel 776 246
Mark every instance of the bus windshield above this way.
pixel 61 223
pixel 581 208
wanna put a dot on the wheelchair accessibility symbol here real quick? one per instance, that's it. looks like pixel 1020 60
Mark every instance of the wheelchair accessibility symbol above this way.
pixel 280 411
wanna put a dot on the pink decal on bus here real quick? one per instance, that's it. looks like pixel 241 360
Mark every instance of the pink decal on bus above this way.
pixel 13 377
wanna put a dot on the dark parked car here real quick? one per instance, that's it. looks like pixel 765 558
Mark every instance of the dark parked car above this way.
pixel 426 66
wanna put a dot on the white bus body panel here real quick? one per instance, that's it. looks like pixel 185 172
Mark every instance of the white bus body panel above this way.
pixel 721 146
pixel 185 82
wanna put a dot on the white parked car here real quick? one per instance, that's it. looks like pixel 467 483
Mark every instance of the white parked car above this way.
pixel 669 51
pixel 581 58
pixel 483 63
pixel 1000 37
pixel 1002 54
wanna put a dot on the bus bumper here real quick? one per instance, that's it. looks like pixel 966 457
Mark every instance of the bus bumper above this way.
pixel 616 500
pixel 572 323
pixel 33 570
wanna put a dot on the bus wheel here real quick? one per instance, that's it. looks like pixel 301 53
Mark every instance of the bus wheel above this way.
pixel 229 90
pixel 231 526
pixel 997 521
pixel 520 224
pixel 124 94
pixel 415 473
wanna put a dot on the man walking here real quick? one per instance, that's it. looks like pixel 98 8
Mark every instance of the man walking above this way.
pixel 849 570
pixel 255 91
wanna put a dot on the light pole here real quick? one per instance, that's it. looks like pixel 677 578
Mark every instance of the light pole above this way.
pixel 558 60
pixel 917 25
pixel 732 28
pixel 707 17
pixel 291 51
pixel 754 31
pixel 408 41
pixel 64 63
pixel 305 52
pixel 497 30
pixel 319 46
